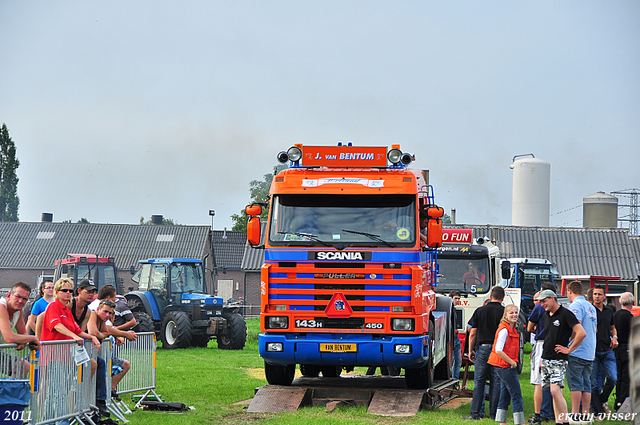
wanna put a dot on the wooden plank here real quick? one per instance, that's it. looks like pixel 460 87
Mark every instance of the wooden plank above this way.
pixel 275 399
pixel 396 402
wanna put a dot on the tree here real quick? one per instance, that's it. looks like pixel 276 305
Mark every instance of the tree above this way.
pixel 9 201
pixel 83 221
pixel 165 221
pixel 259 191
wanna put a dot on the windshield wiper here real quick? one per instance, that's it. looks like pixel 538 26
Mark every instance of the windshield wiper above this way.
pixel 376 238
pixel 307 235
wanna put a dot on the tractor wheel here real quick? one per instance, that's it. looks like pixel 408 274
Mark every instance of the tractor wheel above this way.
pixel 309 371
pixel 423 377
pixel 200 340
pixel 144 323
pixel 236 335
pixel 279 375
pixel 331 371
pixel 176 330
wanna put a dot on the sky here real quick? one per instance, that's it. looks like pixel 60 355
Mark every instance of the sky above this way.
pixel 125 109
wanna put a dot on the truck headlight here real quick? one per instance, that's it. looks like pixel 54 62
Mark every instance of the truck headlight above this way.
pixel 402 325
pixel 277 322
pixel 402 349
pixel 274 347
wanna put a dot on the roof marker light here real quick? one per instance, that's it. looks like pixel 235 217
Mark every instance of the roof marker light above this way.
pixel 406 158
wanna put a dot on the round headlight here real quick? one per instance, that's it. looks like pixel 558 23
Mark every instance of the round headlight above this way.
pixel 294 154
pixel 283 157
pixel 394 156
pixel 406 158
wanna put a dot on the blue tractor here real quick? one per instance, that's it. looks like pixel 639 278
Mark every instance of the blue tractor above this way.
pixel 171 301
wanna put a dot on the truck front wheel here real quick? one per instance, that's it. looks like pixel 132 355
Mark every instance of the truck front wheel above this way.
pixel 279 375
pixel 176 330
pixel 423 377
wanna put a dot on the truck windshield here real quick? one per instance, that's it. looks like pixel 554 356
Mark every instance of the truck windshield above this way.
pixel 186 277
pixel 354 220
pixel 101 275
pixel 466 275
pixel 532 278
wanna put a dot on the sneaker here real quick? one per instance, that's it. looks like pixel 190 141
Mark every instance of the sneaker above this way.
pixel 115 396
pixel 535 420
pixel 470 418
pixel 605 408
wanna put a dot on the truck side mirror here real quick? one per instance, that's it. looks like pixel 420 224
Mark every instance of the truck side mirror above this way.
pixel 253 210
pixel 506 269
pixel 132 270
pixel 253 231
pixel 434 233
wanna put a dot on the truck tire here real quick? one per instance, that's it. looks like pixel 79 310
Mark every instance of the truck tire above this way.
pixel 144 323
pixel 422 378
pixel 310 371
pixel 331 371
pixel 199 340
pixel 176 330
pixel 279 375
pixel 236 335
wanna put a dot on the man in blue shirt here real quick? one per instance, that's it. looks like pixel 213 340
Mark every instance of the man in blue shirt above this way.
pixel 581 359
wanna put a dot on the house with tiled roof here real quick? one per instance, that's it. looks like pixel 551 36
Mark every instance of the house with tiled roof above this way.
pixel 28 250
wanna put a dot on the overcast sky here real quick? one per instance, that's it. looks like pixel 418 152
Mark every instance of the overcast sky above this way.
pixel 122 109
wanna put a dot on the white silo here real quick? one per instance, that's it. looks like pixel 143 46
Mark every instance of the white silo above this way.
pixel 600 210
pixel 531 186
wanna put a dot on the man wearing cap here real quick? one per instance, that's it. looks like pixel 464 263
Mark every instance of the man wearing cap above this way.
pixel 80 304
pixel 542 401
pixel 81 313
pixel 559 325
pixel 484 327
pixel 581 359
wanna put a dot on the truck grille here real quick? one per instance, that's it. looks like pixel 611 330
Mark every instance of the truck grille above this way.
pixel 367 287
pixel 350 323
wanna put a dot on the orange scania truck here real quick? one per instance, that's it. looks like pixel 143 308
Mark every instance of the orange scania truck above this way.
pixel 347 280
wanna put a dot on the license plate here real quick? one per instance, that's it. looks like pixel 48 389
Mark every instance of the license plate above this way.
pixel 339 348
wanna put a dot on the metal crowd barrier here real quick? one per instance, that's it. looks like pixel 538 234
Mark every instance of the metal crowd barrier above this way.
pixel 141 353
pixel 61 390
pixel 14 364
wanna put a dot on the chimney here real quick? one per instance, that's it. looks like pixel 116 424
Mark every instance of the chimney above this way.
pixel 156 219
pixel 453 216
pixel 47 218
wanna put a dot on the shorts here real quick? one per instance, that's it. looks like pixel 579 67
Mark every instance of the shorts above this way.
pixel 116 365
pixel 579 374
pixel 553 372
pixel 536 358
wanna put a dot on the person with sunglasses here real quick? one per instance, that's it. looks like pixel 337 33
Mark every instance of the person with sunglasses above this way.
pixel 46 298
pixel 58 323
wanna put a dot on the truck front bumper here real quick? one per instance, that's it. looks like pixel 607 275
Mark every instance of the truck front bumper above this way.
pixel 346 350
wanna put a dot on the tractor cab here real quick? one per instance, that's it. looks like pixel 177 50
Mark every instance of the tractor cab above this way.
pixel 78 267
pixel 174 282
pixel 171 301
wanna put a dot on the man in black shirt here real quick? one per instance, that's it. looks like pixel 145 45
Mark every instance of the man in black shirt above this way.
pixel 559 325
pixel 622 319
pixel 484 325
pixel 604 364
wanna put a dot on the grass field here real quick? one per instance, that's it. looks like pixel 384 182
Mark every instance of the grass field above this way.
pixel 213 381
